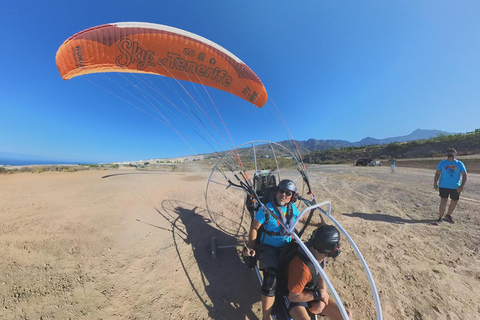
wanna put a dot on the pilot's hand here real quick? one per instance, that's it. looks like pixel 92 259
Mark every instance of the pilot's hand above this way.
pixel 248 252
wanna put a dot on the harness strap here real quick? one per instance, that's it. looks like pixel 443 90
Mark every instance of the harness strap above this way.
pixel 280 212
pixel 263 232
pixel 289 251
pixel 269 233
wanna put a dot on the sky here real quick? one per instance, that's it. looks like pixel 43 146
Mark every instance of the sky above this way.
pixel 333 70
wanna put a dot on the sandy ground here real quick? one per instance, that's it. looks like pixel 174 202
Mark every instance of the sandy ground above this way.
pixel 122 244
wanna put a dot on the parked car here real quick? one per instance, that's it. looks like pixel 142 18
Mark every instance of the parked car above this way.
pixel 363 161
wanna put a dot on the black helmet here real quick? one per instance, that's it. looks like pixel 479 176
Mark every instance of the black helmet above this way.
pixel 288 185
pixel 326 239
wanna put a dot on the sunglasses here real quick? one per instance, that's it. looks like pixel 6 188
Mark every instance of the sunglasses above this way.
pixel 285 192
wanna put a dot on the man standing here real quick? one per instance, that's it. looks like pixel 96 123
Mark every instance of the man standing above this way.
pixel 449 172
pixel 392 164
pixel 268 237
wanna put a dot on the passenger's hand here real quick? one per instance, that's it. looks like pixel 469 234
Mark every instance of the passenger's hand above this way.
pixel 324 295
pixel 435 186
pixel 459 189
pixel 316 307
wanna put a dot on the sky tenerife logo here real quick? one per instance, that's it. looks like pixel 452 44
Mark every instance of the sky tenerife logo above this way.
pixel 131 53
pixel 174 61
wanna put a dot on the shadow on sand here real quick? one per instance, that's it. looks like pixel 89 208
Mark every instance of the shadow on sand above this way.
pixel 386 218
pixel 135 173
pixel 231 287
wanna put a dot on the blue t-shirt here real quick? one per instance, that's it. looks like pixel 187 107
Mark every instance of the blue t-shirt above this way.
pixel 274 226
pixel 450 173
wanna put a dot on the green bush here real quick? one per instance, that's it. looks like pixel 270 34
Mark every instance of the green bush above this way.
pixel 394 146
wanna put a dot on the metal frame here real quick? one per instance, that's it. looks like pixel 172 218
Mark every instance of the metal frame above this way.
pixel 291 231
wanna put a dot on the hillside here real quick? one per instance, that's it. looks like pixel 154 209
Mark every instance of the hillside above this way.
pixel 310 145
pixel 466 144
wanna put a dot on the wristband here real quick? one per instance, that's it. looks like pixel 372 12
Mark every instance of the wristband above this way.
pixel 316 294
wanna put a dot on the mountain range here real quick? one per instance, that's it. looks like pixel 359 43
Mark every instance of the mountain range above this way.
pixel 319 145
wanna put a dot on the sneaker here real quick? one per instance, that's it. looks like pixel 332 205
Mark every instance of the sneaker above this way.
pixel 449 219
pixel 437 222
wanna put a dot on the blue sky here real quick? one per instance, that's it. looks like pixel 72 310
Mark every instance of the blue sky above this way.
pixel 334 69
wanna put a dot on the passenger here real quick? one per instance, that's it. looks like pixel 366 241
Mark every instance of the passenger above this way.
pixel 306 292
pixel 270 237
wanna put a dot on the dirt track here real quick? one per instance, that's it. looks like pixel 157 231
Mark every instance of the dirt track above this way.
pixel 136 245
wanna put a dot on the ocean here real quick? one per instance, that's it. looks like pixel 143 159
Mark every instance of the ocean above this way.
pixel 28 162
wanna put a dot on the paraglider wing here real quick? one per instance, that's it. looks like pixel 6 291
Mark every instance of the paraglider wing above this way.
pixel 158 49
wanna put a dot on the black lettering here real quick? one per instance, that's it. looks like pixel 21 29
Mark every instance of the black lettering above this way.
pixel 201 70
pixel 78 57
pixel 253 96
pixel 180 65
pixel 191 67
pixel 172 61
pixel 131 52
pixel 227 81
pixel 175 62
pixel 209 73
pixel 123 60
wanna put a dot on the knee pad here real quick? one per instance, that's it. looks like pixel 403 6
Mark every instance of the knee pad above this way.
pixel 269 282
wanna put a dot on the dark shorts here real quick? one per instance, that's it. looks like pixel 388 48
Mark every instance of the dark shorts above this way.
pixel 268 257
pixel 453 193
pixel 281 308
